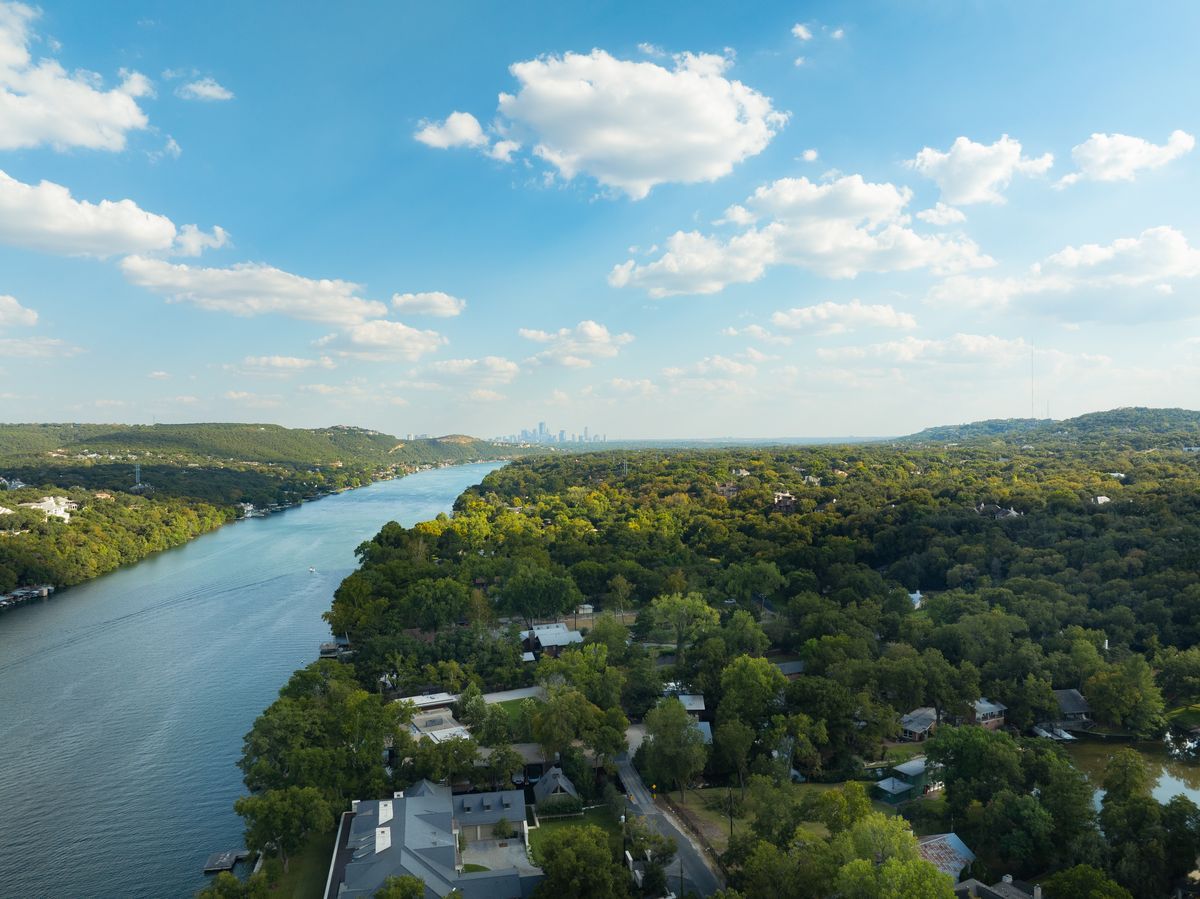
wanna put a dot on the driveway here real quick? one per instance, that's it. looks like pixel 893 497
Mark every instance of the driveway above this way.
pixel 698 875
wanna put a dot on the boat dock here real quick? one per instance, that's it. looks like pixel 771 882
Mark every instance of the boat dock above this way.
pixel 224 861
pixel 22 595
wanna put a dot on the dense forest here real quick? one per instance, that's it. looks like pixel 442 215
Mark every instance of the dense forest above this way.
pixel 1048 556
pixel 193 478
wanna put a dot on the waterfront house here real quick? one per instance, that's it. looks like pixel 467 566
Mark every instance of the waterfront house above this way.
pixel 1071 705
pixel 918 725
pixel 987 714
pixel 416 833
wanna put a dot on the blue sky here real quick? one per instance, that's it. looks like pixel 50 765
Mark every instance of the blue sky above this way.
pixel 651 219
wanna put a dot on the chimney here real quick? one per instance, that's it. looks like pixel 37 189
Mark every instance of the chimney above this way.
pixel 1037 891
pixel 1007 878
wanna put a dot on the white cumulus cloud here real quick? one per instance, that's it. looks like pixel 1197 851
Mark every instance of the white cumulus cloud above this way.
pixel 941 214
pixel 251 288
pixel 488 370
pixel 970 172
pixel 383 341
pixel 839 318
pixel 435 303
pixel 985 349
pixel 629 124
pixel 1119 157
pixel 13 314
pixel 837 229
pixel 459 129
pixel 801 32
pixel 42 104
pixel 576 347
pixel 206 89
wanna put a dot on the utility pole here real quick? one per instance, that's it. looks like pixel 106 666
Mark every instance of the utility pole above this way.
pixel 681 875
pixel 731 812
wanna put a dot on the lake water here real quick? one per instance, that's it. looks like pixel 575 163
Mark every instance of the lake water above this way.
pixel 1172 774
pixel 123 701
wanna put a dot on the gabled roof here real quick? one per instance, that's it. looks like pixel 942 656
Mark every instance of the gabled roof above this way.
pixel 789 668
pixel 488 808
pixel 986 706
pixel 553 781
pixel 1071 702
pixel 919 720
pixel 946 852
pixel 557 634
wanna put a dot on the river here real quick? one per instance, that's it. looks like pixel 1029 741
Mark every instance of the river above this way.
pixel 123 701
pixel 1173 775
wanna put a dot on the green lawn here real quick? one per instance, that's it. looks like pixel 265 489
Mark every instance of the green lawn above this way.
pixel 307 870
pixel 600 817
pixel 1185 716
pixel 512 708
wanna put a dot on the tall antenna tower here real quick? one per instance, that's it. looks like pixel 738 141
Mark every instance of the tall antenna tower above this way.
pixel 137 474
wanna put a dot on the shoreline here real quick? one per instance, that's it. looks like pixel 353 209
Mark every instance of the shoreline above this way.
pixel 53 590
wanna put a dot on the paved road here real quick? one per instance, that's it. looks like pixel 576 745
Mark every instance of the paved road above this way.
pixel 697 874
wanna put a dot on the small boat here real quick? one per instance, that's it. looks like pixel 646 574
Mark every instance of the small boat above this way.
pixel 311 570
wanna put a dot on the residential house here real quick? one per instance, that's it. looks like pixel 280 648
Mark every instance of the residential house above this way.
pixel 1006 888
pixel 416 833
pixel 784 502
pixel 894 791
pixel 791 670
pixel 1071 705
pixel 918 725
pixel 553 783
pixel 988 714
pixel 437 726
pixel 947 853
pixel 477 814
pixel 550 639
pixel 915 772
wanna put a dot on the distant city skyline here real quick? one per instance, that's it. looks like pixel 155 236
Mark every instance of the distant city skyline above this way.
pixel 812 218
pixel 542 434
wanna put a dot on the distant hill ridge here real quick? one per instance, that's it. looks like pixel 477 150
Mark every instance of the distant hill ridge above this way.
pixel 1137 426
pixel 266 443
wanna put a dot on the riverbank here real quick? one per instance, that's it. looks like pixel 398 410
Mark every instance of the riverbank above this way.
pixel 132 528
pixel 129 702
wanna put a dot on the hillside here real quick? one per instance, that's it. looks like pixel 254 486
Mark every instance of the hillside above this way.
pixel 1132 427
pixel 265 443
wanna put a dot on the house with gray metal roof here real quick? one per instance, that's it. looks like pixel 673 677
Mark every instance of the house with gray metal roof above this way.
pixel 553 783
pixel 918 724
pixel 1071 705
pixel 416 833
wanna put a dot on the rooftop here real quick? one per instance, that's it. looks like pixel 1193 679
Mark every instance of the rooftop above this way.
pixel 919 720
pixel 946 852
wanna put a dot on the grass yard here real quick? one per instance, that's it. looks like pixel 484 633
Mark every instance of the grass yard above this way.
pixel 1185 717
pixel 307 870
pixel 600 817
pixel 512 708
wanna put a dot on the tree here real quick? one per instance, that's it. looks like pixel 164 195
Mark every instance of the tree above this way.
pixel 977 763
pixel 733 741
pixel 536 593
pixel 227 886
pixel 844 807
pixel 682 615
pixel 577 863
pixel 1081 881
pixel 403 887
pixel 1018 831
pixel 675 750
pixel 282 819
pixel 751 687
pixel 894 879
pixel 619 592
pixel 564 717
pixel 1126 695
pixel 503 763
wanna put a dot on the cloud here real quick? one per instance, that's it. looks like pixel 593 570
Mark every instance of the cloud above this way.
pixel 383 341
pixel 283 365
pixel 158 375
pixel 191 241
pixel 838 33
pixel 712 374
pixel 838 229
pixel 41 104
pixel 1119 157
pixel 1130 277
pixel 46 217
pixel 630 125
pixel 435 303
pixel 206 89
pixel 36 348
pixel 839 318
pixel 801 32
pixel 485 396
pixel 251 288
pixel 576 347
pixel 254 400
pixel 13 314
pixel 459 129
pixel 941 214
pixel 488 370
pixel 809 155
pixel 757 332
pixel 958 349
pixel 633 387
pixel 977 173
